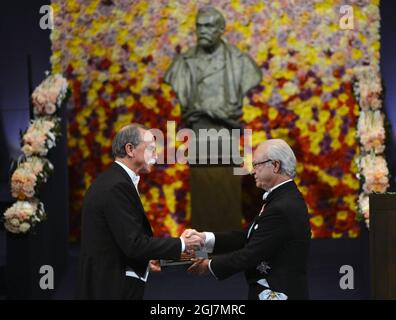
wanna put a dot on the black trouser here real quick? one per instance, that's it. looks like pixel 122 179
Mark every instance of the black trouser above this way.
pixel 134 289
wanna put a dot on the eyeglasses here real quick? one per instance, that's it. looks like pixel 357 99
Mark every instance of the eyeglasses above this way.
pixel 258 163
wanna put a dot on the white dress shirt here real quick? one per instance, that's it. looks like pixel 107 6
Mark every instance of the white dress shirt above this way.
pixel 134 177
pixel 135 180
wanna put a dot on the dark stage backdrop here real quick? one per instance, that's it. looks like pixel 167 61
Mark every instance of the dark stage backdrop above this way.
pixel 22 256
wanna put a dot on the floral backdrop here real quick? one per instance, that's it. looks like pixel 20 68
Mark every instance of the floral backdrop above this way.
pixel 115 52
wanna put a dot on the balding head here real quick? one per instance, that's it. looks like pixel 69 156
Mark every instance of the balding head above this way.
pixel 131 133
pixel 134 146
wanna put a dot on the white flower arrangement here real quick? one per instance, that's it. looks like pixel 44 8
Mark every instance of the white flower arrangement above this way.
pixel 371 131
pixel 375 173
pixel 28 176
pixel 373 169
pixel 39 138
pixel 369 88
pixel 22 216
pixel 364 207
pixel 48 96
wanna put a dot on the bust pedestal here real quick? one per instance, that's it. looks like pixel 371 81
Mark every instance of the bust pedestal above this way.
pixel 215 190
pixel 215 198
pixel 382 243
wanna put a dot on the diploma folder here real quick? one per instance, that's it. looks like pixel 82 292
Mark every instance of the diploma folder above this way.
pixel 183 261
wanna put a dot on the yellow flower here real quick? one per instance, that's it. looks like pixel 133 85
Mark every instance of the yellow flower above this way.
pixel 71 142
pixel 92 96
pixel 99 51
pixel 188 208
pixel 317 221
pixel 356 54
pixel 342 215
pixel 335 144
pixel 352 233
pixel 289 88
pixel 236 5
pixel 106 159
pixel 323 176
pixel 351 181
pixel 55 7
pixel 176 111
pixel 250 113
pixel 155 194
pixel 343 111
pixel 343 97
pixel 351 138
pixel 122 36
pixel 172 226
pixel 324 7
pixel 333 103
pixel 338 57
pixel 280 133
pixel 258 137
pixel 266 94
pixel 375 46
pixel 124 119
pixel 336 235
pixel 72 6
pixel 169 193
pixel 91 8
pixel 109 89
pixel 259 6
pixel 83 146
pixel 245 30
pixel 114 68
pixel 87 180
pixel 149 102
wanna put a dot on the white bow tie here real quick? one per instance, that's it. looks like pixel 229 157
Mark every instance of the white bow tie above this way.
pixel 265 195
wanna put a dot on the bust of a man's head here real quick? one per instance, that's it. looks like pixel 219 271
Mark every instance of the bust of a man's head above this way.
pixel 210 26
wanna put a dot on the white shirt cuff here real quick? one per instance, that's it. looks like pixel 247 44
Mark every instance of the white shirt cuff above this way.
pixel 209 242
pixel 183 245
pixel 210 269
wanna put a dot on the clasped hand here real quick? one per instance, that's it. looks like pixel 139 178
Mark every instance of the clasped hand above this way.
pixel 200 266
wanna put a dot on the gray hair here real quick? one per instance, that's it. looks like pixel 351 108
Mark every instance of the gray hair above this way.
pixel 279 150
pixel 127 134
pixel 220 20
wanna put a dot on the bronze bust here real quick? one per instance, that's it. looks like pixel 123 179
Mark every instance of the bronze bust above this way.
pixel 212 78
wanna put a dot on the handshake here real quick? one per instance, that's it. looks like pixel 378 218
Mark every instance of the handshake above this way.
pixel 193 241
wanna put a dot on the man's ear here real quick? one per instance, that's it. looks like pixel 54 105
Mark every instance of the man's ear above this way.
pixel 277 167
pixel 130 150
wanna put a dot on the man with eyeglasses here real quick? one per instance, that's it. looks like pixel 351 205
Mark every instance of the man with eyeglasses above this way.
pixel 273 251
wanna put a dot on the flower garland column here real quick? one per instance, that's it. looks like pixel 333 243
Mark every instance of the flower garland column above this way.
pixel 33 168
pixel 373 170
